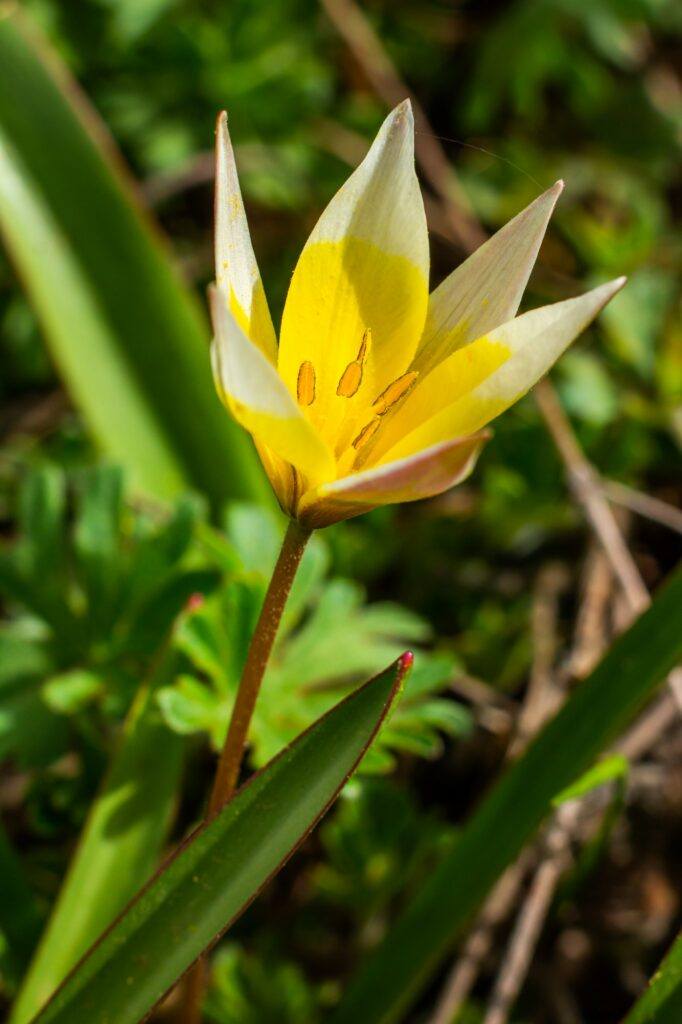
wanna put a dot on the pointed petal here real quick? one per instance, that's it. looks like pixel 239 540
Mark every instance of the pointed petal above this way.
pixel 535 341
pixel 236 269
pixel 485 290
pixel 365 266
pixel 252 390
pixel 419 476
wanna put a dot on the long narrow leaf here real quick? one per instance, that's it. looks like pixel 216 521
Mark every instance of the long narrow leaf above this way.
pixel 593 716
pixel 126 335
pixel 222 867
pixel 118 851
pixel 662 1001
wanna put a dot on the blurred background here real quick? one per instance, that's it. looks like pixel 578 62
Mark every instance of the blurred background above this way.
pixel 515 95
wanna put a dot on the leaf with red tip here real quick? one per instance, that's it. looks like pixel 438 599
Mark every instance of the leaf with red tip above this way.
pixel 222 867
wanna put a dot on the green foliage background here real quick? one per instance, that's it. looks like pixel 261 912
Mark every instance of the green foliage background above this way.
pixel 521 93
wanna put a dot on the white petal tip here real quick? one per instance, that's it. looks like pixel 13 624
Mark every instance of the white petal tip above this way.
pixel 558 187
pixel 401 117
pixel 612 287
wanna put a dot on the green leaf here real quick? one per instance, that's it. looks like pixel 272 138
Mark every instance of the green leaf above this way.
pixel 118 850
pixel 20 918
pixel 313 665
pixel 97 541
pixel 662 1001
pixel 127 337
pixel 247 989
pixel 508 817
pixel 223 866
pixel 70 691
pixel 636 318
pixel 614 767
pixel 29 731
pixel 586 388
pixel 33 572
pixel 41 521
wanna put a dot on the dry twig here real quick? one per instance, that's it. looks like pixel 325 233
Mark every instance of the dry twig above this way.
pixel 479 942
pixel 532 915
pixel 644 505
pixel 544 692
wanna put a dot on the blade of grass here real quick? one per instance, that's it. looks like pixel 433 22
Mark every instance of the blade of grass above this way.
pixel 127 337
pixel 662 1001
pixel 119 849
pixel 638 661
pixel 222 866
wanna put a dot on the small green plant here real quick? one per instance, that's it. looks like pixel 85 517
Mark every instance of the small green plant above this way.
pixel 95 589
pixel 153 640
pixel 330 639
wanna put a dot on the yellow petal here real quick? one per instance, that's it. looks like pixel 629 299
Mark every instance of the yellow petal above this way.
pixel 236 269
pixel 281 476
pixel 535 341
pixel 419 476
pixel 455 377
pixel 364 268
pixel 258 399
pixel 485 290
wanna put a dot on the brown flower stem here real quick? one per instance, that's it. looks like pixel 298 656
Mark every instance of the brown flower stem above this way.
pixel 229 765
pixel 227 772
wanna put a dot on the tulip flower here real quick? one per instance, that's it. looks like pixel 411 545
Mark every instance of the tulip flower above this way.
pixel 377 391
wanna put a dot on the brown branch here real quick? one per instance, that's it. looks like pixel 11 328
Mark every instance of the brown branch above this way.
pixel 591 629
pixel 479 942
pixel 653 723
pixel 586 487
pixel 531 917
pixel 544 692
pixel 644 504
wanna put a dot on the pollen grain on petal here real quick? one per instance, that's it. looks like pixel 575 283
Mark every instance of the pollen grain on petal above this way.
pixel 367 433
pixel 305 383
pixel 394 392
pixel 351 378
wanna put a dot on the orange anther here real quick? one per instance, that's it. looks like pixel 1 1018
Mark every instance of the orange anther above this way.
pixel 305 383
pixel 394 392
pixel 351 378
pixel 367 432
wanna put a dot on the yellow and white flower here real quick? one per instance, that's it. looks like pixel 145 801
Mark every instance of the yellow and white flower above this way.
pixel 378 392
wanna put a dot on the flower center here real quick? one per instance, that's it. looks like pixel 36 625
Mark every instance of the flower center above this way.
pixel 348 386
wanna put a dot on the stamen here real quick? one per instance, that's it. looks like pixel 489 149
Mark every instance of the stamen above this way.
pixel 305 383
pixel 367 433
pixel 351 378
pixel 395 391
